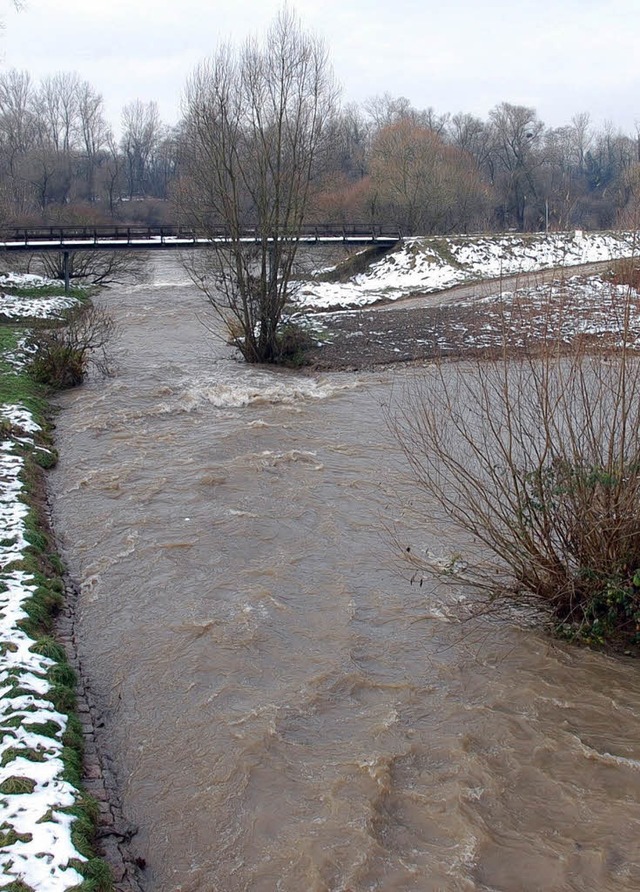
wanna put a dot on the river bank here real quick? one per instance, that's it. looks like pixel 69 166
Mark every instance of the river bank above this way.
pixel 479 320
pixel 51 779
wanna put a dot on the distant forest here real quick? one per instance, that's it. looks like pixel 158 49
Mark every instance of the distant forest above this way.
pixel 382 161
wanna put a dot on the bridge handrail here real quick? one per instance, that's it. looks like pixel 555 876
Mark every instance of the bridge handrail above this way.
pixel 62 234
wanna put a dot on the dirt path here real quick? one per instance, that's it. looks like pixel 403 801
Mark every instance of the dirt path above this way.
pixel 490 287
pixel 424 326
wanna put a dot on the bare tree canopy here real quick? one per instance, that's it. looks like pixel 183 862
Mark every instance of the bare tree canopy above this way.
pixel 255 125
pixel 93 267
pixel 141 131
pixel 423 183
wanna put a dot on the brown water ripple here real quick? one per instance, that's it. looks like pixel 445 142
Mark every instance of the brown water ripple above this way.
pixel 284 711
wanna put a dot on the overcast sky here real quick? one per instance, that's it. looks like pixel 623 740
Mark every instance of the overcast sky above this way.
pixel 559 56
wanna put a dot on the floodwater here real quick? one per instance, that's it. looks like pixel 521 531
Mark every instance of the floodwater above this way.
pixel 284 711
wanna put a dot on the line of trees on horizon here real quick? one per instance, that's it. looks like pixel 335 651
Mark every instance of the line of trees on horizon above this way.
pixel 383 161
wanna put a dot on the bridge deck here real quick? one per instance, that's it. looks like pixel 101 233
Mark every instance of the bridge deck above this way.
pixel 145 238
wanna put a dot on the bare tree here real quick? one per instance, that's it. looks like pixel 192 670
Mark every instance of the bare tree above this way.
pixel 18 135
pixel 581 138
pixel 51 138
pixel 112 175
pixel 56 105
pixel 93 132
pixel 17 123
pixel 516 135
pixel 94 267
pixel 422 183
pixel 163 164
pixel 255 120
pixel 141 130
pixel 349 142
pixel 472 135
pixel 54 157
pixel 62 351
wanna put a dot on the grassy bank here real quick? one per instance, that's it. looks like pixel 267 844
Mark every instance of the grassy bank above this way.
pixel 47 823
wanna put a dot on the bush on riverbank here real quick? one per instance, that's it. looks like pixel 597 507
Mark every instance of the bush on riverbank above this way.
pixel 62 350
pixel 537 459
pixel 293 342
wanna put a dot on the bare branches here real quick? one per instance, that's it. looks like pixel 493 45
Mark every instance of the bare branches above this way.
pixel 254 124
pixel 537 458
pixel 61 353
pixel 141 130
pixel 424 184
pixel 95 267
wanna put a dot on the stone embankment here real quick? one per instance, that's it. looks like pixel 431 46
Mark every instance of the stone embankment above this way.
pixel 114 834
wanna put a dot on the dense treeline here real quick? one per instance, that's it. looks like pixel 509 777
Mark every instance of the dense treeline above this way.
pixel 386 161
pixel 60 162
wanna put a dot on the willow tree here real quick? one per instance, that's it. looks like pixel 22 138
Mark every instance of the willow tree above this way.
pixel 424 184
pixel 255 121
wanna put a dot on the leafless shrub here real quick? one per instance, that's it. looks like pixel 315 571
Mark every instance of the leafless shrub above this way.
pixel 62 353
pixel 536 457
pixel 95 267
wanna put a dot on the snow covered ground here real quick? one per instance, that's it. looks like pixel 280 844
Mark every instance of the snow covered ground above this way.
pixel 35 831
pixel 432 264
pixel 35 828
pixel 18 306
pixel 581 305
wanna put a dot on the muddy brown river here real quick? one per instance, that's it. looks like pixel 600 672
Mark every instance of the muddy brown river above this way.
pixel 284 711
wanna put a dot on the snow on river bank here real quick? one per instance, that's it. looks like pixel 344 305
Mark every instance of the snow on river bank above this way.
pixel 433 264
pixel 35 831
pixel 36 848
pixel 19 306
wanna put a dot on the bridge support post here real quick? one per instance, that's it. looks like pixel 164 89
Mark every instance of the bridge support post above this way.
pixel 65 268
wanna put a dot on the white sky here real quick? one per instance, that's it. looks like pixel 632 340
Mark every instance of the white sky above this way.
pixel 559 56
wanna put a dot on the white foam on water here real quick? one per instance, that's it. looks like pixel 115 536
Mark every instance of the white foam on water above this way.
pixel 248 388
pixel 608 758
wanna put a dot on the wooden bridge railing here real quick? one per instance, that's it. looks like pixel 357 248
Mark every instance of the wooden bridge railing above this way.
pixel 128 234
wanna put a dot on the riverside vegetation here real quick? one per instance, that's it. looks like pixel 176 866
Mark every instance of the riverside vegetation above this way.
pixel 534 453
pixel 40 730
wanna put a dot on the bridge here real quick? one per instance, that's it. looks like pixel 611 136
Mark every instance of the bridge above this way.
pixel 66 239
pixel 147 238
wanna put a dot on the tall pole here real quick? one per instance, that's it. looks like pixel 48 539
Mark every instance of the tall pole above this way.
pixel 65 267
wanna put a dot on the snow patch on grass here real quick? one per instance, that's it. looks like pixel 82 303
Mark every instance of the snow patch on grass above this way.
pixel 30 306
pixel 35 829
pixel 579 306
pixel 26 280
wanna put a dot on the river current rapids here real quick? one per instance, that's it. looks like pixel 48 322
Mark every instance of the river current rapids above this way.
pixel 283 709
